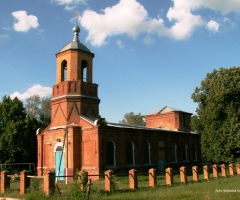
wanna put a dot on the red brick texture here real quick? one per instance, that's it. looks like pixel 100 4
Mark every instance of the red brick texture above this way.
pixel 169 176
pixel 206 172
pixel 24 181
pixel 152 177
pixel 5 181
pixel 215 171
pixel 108 175
pixel 223 170
pixel 183 175
pixel 195 173
pixel 49 183
pixel 133 179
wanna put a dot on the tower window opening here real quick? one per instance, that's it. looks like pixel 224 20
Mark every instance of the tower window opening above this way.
pixel 64 71
pixel 84 71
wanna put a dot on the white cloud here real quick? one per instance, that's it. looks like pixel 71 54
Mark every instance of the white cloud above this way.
pixel 131 18
pixel 35 89
pixel 213 25
pixel 148 40
pixel 185 21
pixel 24 22
pixel 69 4
pixel 128 16
pixel 224 7
pixel 120 44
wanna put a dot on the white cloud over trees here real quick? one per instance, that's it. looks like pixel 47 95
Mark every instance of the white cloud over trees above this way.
pixel 24 22
pixel 38 89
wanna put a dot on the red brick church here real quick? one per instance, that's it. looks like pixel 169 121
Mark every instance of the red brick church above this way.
pixel 77 138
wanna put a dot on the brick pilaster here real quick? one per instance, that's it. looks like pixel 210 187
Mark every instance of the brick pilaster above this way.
pixel 83 179
pixel 231 170
pixel 169 176
pixel 49 183
pixel 133 179
pixel 223 170
pixel 195 173
pixel 152 177
pixel 5 181
pixel 215 171
pixel 183 175
pixel 238 168
pixel 205 172
pixel 24 181
pixel 108 185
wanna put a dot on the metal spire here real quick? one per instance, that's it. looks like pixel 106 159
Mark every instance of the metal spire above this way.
pixel 76 29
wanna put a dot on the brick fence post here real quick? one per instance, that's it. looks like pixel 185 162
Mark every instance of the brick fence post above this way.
pixel 49 183
pixel 152 177
pixel 195 173
pixel 223 170
pixel 108 185
pixel 169 176
pixel 215 171
pixel 238 168
pixel 183 175
pixel 83 179
pixel 133 179
pixel 24 181
pixel 5 181
pixel 231 169
pixel 205 172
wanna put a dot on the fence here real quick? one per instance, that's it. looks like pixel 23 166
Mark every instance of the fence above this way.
pixel 49 184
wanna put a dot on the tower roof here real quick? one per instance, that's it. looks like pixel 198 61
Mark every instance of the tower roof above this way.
pixel 75 43
pixel 167 109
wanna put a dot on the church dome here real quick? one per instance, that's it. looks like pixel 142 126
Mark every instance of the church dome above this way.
pixel 75 43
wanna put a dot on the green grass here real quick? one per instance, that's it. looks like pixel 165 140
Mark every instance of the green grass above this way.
pixel 212 189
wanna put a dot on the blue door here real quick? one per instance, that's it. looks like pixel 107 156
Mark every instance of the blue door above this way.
pixel 57 159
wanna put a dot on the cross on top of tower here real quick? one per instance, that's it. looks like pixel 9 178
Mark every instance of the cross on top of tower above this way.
pixel 76 16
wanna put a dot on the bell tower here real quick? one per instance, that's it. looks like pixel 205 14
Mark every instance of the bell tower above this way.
pixel 74 94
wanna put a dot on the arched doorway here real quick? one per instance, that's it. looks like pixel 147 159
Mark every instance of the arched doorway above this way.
pixel 59 161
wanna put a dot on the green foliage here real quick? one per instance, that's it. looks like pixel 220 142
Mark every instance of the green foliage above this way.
pixel 17 133
pixel 34 185
pixel 113 180
pixel 218 115
pixel 133 119
pixel 39 109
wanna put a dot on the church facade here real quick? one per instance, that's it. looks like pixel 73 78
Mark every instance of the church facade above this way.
pixel 77 138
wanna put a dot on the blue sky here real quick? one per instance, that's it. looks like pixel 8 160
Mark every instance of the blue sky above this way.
pixel 148 54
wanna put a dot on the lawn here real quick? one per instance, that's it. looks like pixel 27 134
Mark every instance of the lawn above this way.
pixel 221 188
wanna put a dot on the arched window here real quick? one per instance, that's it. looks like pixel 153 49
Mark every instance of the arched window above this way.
pixel 174 152
pixel 185 152
pixel 110 153
pixel 195 152
pixel 84 71
pixel 64 70
pixel 147 152
pixel 130 154
pixel 161 150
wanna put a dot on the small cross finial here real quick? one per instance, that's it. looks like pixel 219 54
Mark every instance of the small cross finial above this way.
pixel 77 16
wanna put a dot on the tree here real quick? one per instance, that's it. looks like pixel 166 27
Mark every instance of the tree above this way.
pixel 218 115
pixel 133 119
pixel 17 133
pixel 40 109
